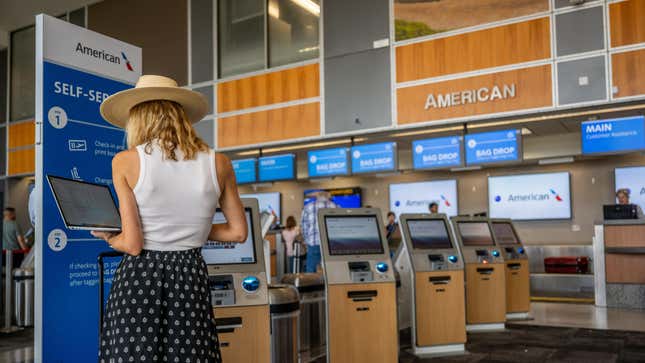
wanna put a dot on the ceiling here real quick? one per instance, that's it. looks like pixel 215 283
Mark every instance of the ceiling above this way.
pixel 15 14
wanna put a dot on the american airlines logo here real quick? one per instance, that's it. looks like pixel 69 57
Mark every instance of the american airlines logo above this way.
pixel 470 96
pixel 104 55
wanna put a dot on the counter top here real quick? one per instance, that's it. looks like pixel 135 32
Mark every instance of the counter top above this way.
pixel 620 222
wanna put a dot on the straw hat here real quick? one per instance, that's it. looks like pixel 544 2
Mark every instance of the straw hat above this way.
pixel 116 108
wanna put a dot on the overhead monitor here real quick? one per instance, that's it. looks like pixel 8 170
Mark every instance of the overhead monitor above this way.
pixel 633 179
pixel 493 147
pixel 228 253
pixel 353 235
pixel 268 202
pixel 505 233
pixel 440 152
pixel 245 170
pixel 342 197
pixel 328 162
pixel 416 197
pixel 427 234
pixel 613 136
pixel 475 234
pixel 374 158
pixel 530 196
pixel 277 168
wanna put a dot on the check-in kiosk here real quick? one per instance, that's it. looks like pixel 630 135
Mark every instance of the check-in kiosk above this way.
pixel 436 273
pixel 518 291
pixel 360 287
pixel 239 292
pixel 485 274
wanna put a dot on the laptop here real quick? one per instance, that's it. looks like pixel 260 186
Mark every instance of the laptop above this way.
pixel 85 206
pixel 620 211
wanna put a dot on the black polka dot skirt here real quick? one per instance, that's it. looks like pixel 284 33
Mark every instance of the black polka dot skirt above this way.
pixel 159 310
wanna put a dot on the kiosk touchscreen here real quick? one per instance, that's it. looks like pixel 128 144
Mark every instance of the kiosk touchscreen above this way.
pixel 239 291
pixel 437 284
pixel 518 290
pixel 360 287
pixel 485 277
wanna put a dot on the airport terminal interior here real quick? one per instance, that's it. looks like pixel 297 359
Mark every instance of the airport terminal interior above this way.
pixel 422 180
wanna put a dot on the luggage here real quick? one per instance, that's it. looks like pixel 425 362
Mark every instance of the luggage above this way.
pixel 567 265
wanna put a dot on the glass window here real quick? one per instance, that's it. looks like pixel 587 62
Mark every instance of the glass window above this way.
pixel 3 85
pixel 240 36
pixel 419 18
pixel 201 38
pixel 3 151
pixel 77 17
pixel 293 30
pixel 23 77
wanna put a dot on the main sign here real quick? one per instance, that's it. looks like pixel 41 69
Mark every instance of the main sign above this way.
pixel 245 170
pixel 277 167
pixel 612 136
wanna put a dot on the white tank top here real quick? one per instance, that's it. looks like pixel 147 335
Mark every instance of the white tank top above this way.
pixel 176 199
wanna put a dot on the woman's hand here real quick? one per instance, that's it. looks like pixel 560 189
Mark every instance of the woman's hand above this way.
pixel 103 235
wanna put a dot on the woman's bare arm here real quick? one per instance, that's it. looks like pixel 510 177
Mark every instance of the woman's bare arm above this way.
pixel 125 172
pixel 235 228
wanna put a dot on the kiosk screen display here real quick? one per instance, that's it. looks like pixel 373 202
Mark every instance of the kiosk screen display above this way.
pixel 504 233
pixel 475 233
pixel 428 234
pixel 353 235
pixel 228 253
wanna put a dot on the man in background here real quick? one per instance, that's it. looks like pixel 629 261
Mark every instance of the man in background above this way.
pixel 12 238
pixel 310 231
pixel 434 208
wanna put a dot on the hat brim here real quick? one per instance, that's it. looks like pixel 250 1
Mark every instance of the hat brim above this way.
pixel 116 108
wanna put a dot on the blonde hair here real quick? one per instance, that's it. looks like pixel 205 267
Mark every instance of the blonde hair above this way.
pixel 166 122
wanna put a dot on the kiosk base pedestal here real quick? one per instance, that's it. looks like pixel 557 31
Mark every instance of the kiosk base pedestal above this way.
pixel 439 350
pixel 518 294
pixel 518 316
pixel 485 327
pixel 244 333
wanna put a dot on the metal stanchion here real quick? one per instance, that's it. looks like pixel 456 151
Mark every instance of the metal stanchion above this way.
pixel 8 328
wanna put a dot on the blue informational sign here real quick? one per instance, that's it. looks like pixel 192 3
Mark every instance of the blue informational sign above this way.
pixel 373 158
pixel 442 152
pixel 245 170
pixel 493 147
pixel 76 70
pixel 277 167
pixel 328 162
pixel 612 136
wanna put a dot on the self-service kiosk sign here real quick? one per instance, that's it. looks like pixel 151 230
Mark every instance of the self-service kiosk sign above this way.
pixel 328 162
pixel 439 152
pixel 374 158
pixel 76 69
pixel 615 135
pixel 245 170
pixel 493 147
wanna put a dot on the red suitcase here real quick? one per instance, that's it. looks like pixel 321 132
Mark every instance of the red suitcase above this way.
pixel 567 265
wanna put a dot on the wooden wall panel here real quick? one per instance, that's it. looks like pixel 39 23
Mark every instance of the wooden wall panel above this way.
pixel 22 162
pixel 499 46
pixel 626 24
pixel 625 269
pixel 21 134
pixel 532 90
pixel 271 125
pixel 627 73
pixel 625 236
pixel 269 88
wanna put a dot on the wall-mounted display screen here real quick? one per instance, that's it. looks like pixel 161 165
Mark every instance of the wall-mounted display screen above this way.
pixel 428 234
pixel 277 167
pixel 268 202
pixel 530 196
pixel 353 235
pixel 493 147
pixel 441 152
pixel 343 197
pixel 632 178
pixel 328 162
pixel 227 253
pixel 613 136
pixel 245 170
pixel 416 197
pixel 374 158
pixel 504 233
pixel 475 233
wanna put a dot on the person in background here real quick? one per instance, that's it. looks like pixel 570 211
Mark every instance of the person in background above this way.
pixel 623 198
pixel 310 231
pixel 12 238
pixel 290 235
pixel 391 226
pixel 434 208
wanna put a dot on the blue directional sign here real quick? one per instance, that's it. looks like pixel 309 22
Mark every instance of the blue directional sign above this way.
pixel 373 158
pixel 277 167
pixel 442 152
pixel 612 136
pixel 328 162
pixel 493 147
pixel 245 170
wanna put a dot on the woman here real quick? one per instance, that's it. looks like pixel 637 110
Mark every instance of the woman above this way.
pixel 290 235
pixel 169 184
pixel 623 198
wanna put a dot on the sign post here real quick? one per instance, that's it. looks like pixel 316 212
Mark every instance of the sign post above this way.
pixel 76 69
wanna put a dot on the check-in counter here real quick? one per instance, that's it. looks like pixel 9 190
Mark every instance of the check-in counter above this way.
pixel 619 256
